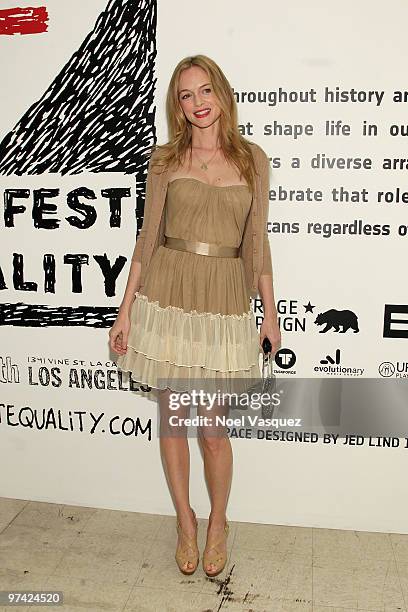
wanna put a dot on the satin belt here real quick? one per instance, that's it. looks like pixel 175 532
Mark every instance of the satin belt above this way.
pixel 202 248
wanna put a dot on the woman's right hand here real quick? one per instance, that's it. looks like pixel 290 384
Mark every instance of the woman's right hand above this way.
pixel 118 334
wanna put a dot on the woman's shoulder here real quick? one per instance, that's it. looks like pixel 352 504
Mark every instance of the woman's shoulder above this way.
pixel 153 153
pixel 258 151
pixel 153 157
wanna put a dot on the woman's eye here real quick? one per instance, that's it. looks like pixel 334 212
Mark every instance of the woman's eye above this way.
pixel 206 90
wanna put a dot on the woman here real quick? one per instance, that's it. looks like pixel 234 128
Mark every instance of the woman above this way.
pixel 202 252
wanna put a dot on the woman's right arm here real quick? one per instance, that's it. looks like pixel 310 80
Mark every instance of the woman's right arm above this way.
pixel 119 332
pixel 132 285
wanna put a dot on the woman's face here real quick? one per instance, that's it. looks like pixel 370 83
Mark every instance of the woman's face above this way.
pixel 196 97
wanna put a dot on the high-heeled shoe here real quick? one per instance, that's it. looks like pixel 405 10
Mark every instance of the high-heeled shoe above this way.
pixel 189 551
pixel 213 555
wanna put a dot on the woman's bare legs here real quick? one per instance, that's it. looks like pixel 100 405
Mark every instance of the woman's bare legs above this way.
pixel 218 462
pixel 176 458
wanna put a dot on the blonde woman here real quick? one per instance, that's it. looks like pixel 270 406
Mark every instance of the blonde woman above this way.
pixel 202 253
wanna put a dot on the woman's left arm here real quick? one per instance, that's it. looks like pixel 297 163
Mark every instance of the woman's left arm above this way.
pixel 270 325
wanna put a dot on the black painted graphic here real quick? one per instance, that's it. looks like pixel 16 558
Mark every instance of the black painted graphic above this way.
pixel 98 115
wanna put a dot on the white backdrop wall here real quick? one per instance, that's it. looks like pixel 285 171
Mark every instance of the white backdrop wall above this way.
pixel 87 453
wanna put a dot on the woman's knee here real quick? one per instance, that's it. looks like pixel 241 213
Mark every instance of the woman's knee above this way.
pixel 214 441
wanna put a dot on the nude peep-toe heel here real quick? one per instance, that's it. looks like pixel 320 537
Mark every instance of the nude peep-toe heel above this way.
pixel 213 555
pixel 187 551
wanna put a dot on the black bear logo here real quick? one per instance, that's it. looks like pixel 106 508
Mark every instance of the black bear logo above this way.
pixel 334 319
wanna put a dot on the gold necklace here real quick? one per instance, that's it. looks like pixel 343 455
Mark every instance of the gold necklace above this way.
pixel 204 165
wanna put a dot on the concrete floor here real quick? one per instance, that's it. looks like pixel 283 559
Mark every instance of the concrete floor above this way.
pixel 106 560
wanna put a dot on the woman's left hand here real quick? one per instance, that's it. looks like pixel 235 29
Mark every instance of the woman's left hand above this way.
pixel 270 329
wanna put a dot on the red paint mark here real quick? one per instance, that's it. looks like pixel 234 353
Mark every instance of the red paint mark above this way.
pixel 28 20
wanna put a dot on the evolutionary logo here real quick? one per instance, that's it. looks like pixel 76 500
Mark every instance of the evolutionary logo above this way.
pixel 399 369
pixel 337 320
pixel 332 364
pixel 395 321
pixel 285 360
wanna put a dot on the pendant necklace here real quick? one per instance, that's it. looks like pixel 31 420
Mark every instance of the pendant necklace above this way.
pixel 204 165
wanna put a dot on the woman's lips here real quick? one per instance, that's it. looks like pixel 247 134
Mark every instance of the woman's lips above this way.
pixel 204 113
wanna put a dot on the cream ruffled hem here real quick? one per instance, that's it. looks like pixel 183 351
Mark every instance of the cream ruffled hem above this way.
pixel 165 375
pixel 167 343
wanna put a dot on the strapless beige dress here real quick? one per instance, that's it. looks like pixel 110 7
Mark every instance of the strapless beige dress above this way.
pixel 192 320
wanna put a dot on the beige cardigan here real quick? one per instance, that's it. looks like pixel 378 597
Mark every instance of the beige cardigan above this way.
pixel 254 248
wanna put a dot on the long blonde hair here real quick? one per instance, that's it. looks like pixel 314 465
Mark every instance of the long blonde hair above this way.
pixel 235 147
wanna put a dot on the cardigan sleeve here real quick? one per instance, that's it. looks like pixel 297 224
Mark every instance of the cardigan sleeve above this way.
pixel 267 259
pixel 138 249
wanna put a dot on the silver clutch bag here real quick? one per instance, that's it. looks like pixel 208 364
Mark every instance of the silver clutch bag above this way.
pixel 266 385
